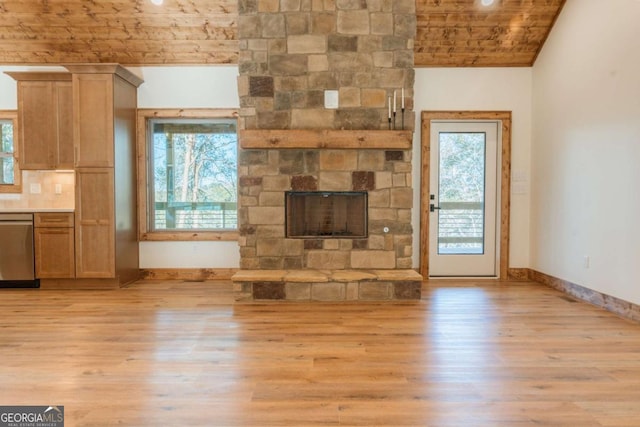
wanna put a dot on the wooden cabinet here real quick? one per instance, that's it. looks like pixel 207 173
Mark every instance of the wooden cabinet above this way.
pixel 104 129
pixel 95 231
pixel 45 120
pixel 54 245
pixel 93 125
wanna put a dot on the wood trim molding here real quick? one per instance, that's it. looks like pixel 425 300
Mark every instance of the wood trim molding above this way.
pixel 16 187
pixel 620 307
pixel 521 274
pixel 505 180
pixel 48 76
pixel 143 114
pixel 80 284
pixel 116 69
pixel 191 274
pixel 196 236
pixel 326 139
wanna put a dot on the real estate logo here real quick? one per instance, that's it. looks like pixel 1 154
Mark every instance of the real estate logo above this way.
pixel 31 416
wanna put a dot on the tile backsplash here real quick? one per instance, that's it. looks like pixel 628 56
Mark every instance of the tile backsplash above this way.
pixel 47 198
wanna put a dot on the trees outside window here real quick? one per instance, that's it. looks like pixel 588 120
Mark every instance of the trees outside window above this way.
pixel 194 164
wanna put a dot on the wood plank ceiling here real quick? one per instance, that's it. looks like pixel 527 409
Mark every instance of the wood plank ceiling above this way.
pixel 451 33
pixel 464 33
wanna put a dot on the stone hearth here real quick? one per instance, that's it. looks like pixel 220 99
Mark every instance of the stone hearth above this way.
pixel 375 267
pixel 327 285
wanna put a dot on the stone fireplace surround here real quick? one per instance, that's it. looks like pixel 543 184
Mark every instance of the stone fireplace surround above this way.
pixel 267 174
pixel 291 52
pixel 274 267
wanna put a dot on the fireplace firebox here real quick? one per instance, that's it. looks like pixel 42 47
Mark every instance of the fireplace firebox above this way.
pixel 326 214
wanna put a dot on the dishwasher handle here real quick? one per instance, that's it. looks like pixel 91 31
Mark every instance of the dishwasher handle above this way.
pixel 16 223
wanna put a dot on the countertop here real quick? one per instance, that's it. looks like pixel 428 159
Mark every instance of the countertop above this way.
pixel 34 210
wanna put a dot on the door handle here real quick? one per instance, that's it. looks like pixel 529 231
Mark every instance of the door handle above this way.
pixel 432 207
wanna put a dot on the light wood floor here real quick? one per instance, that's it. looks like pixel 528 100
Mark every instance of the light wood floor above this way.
pixel 181 354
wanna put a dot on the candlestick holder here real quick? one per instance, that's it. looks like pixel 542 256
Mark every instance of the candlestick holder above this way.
pixel 389 122
pixel 403 118
pixel 394 120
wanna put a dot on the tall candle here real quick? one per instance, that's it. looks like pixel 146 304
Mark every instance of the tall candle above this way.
pixel 394 101
pixel 403 98
pixel 389 107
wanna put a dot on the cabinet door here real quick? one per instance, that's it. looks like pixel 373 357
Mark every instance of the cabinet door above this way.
pixel 93 120
pixel 36 115
pixel 95 228
pixel 54 252
pixel 63 97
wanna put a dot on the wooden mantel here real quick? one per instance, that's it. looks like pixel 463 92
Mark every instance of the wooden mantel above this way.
pixel 326 139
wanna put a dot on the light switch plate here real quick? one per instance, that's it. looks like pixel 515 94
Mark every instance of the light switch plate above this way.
pixel 331 99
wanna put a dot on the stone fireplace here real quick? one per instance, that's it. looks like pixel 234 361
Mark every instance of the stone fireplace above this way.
pixel 383 174
pixel 292 143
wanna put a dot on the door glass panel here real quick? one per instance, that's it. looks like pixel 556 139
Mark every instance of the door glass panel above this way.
pixel 461 193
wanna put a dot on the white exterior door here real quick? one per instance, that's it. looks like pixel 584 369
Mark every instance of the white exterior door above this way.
pixel 463 202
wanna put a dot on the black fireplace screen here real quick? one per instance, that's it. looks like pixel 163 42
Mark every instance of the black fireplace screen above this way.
pixel 326 214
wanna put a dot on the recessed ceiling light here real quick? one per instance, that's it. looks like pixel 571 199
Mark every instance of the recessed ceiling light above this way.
pixel 159 2
pixel 484 2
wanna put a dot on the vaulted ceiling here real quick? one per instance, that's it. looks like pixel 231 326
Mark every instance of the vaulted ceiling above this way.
pixel 463 33
pixel 451 33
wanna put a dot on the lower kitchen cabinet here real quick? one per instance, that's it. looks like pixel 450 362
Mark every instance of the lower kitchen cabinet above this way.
pixel 54 245
pixel 95 223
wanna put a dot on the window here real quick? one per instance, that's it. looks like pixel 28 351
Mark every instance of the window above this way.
pixel 9 169
pixel 191 171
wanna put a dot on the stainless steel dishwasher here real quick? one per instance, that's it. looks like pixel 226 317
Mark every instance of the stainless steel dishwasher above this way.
pixel 16 251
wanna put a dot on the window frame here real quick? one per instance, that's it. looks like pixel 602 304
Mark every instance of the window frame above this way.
pixel 145 232
pixel 16 187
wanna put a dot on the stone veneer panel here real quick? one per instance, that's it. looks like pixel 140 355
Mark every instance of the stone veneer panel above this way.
pixel 269 290
pixel 328 291
pixel 293 50
pixel 328 285
pixel 262 241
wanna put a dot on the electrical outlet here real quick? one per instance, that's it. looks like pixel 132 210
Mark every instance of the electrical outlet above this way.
pixel 586 260
pixel 518 176
pixel 58 189
pixel 519 188
pixel 35 188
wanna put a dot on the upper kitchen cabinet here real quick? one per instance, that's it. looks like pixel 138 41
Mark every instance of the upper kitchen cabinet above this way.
pixel 99 90
pixel 45 120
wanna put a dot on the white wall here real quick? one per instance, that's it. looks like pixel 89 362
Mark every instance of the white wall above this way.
pixel 586 148
pixel 189 87
pixel 482 89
